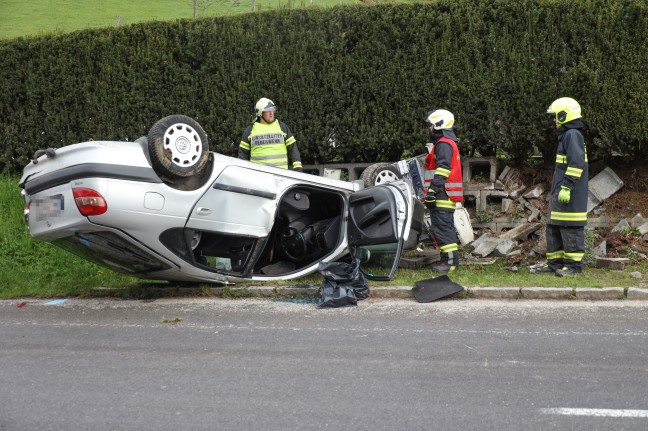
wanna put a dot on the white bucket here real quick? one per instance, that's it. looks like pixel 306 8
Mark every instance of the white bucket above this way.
pixel 462 224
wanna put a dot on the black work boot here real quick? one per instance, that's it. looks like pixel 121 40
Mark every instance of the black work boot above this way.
pixel 567 271
pixel 541 269
pixel 443 268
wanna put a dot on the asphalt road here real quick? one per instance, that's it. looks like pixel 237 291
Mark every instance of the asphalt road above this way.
pixel 278 365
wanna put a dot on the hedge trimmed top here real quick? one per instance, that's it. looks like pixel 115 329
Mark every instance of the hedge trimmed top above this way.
pixel 353 82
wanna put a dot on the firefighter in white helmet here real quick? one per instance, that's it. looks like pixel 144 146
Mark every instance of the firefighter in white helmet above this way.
pixel 445 187
pixel 569 190
pixel 269 141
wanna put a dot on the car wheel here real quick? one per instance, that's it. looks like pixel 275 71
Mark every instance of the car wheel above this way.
pixel 178 147
pixel 380 173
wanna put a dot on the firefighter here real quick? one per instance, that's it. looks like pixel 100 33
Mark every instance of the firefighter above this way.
pixel 269 141
pixel 568 199
pixel 443 166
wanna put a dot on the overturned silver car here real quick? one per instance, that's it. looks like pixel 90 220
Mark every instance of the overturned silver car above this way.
pixel 165 207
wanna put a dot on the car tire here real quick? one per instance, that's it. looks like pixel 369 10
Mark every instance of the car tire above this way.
pixel 178 147
pixel 380 173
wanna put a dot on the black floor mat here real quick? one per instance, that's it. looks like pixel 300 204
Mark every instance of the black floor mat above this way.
pixel 435 288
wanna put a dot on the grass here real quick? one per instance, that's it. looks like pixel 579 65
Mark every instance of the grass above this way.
pixel 39 17
pixel 34 268
pixel 31 268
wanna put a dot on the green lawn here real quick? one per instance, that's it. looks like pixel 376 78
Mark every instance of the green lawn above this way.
pixel 30 268
pixel 36 17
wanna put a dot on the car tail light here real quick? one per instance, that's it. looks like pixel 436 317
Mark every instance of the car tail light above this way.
pixel 89 202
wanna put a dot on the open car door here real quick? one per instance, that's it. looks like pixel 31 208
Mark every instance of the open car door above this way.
pixel 379 223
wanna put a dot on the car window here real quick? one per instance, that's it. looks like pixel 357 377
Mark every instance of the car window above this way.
pixel 377 261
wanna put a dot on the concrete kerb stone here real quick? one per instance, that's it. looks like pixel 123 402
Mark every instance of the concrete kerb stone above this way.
pixel 637 293
pixel 602 293
pixel 547 293
pixel 489 292
pixel 494 292
pixel 397 292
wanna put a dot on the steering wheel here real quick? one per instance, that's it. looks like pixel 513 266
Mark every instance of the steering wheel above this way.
pixel 293 243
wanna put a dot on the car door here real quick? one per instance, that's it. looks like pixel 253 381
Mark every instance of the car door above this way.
pixel 379 222
pixel 240 202
pixel 231 221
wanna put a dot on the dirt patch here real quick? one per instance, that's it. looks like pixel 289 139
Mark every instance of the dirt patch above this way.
pixel 626 204
pixel 621 244
pixel 632 198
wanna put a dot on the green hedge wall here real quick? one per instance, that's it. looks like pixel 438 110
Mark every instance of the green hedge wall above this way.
pixel 353 83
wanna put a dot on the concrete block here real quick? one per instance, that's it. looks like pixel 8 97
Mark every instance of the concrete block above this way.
pixel 481 239
pixel 636 274
pixel 470 164
pixel 611 262
pixel 504 247
pixel 546 293
pixel 515 192
pixel 507 205
pixel 643 229
pixel 490 225
pixel 471 196
pixel 510 177
pixel 623 224
pixel 541 245
pixel 600 250
pixel 353 170
pixel 494 292
pixel 521 232
pixel 603 293
pixel 602 221
pixel 487 194
pixel 487 246
pixel 601 187
pixel 505 172
pixel 638 220
pixel 535 212
pixel 334 174
pixel 534 192
pixel 637 293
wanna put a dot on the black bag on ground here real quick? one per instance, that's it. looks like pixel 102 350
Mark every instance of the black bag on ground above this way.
pixel 343 284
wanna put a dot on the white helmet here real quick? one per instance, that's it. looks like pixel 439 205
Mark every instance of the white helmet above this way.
pixel 440 119
pixel 264 105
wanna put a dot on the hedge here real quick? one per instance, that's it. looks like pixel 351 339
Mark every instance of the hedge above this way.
pixel 353 82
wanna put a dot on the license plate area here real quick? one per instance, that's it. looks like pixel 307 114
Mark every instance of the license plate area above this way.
pixel 47 207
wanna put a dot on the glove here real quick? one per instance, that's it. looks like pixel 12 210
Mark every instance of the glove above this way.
pixel 564 195
pixel 430 200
